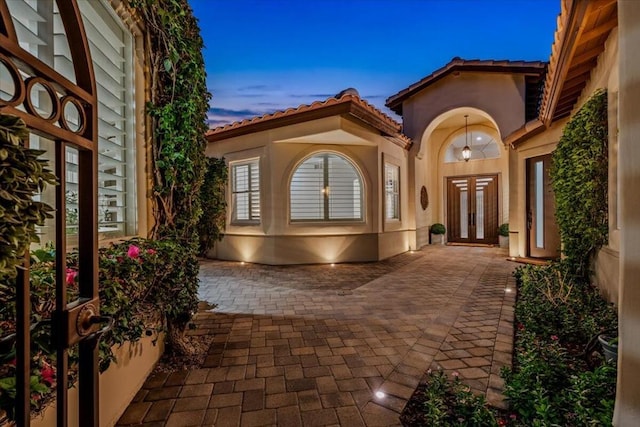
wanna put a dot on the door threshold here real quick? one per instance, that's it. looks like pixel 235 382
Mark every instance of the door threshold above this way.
pixel 528 260
pixel 477 245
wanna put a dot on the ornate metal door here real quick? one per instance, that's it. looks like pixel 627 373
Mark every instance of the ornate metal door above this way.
pixel 62 111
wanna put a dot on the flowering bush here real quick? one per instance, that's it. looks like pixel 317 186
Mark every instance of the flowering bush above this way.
pixel 551 384
pixel 144 286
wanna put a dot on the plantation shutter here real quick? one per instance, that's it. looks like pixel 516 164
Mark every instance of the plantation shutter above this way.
pixel 246 191
pixel 111 52
pixel 326 187
pixel 392 191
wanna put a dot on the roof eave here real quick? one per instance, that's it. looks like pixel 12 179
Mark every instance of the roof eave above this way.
pixel 346 107
pixel 525 132
pixel 394 102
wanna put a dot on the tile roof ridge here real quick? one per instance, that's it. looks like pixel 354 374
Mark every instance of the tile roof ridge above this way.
pixel 345 96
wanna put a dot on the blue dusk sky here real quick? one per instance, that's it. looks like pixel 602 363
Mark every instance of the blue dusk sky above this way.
pixel 267 55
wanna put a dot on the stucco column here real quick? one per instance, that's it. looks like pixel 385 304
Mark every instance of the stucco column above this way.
pixel 627 411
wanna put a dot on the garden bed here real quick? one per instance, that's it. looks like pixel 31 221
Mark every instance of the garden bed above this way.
pixel 558 377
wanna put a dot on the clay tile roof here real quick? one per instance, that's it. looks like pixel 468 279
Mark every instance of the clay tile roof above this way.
pixel 394 102
pixel 582 29
pixel 347 102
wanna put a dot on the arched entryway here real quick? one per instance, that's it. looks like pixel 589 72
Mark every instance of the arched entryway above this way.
pixel 469 195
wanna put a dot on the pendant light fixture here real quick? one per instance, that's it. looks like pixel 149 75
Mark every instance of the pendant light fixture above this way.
pixel 466 151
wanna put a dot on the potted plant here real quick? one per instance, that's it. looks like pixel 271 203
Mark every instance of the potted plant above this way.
pixel 609 347
pixel 503 235
pixel 437 233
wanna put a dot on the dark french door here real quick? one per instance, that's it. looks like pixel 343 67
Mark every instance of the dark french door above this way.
pixel 472 209
pixel 61 115
pixel 543 235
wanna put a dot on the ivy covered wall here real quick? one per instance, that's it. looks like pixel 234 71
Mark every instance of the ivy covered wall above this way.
pixel 580 182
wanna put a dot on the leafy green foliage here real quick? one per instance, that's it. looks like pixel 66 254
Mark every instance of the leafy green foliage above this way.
pixel 552 301
pixel 213 202
pixel 438 228
pixel 503 230
pixel 579 175
pixel 23 175
pixel 448 403
pixel 178 107
pixel 557 314
pixel 143 286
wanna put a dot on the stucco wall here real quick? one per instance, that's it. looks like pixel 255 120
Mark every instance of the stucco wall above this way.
pixel 500 95
pixel 498 98
pixel 627 411
pixel 604 75
pixel 118 384
pixel 278 240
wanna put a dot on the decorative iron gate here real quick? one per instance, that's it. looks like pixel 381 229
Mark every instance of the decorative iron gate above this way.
pixel 77 322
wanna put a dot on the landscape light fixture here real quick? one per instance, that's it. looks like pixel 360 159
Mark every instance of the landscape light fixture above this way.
pixel 466 151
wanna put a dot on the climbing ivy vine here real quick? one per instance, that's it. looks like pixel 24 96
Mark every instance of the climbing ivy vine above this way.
pixel 177 110
pixel 178 107
pixel 579 174
pixel 214 206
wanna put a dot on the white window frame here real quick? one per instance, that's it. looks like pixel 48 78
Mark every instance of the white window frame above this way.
pixel 252 191
pixel 391 192
pixel 326 217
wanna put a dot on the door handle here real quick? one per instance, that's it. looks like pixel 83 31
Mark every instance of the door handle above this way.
pixel 529 220
pixel 96 320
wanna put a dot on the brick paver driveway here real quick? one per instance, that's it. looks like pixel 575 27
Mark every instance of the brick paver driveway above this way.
pixel 343 345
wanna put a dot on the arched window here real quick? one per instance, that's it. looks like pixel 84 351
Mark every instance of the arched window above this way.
pixel 483 146
pixel 326 187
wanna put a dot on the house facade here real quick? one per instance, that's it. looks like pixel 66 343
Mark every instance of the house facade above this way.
pixel 511 115
pixel 322 183
pixel 465 103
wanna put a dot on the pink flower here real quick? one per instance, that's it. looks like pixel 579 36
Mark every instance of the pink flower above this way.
pixel 455 374
pixel 119 259
pixel 513 416
pixel 151 251
pixel 133 252
pixel 48 374
pixel 71 276
pixel 554 337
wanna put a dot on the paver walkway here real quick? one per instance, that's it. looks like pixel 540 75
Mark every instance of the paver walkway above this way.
pixel 344 345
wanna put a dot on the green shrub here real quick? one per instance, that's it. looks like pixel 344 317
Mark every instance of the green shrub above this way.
pixel 579 175
pixel 23 175
pixel 557 314
pixel 553 301
pixel 448 403
pixel 213 202
pixel 438 228
pixel 503 230
pixel 145 286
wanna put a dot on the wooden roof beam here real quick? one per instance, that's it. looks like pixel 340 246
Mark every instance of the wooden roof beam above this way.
pixel 598 31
